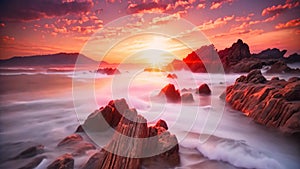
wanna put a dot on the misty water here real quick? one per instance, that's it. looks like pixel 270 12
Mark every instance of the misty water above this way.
pixel 43 107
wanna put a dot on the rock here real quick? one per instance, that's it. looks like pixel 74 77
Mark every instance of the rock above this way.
pixel 294 58
pixel 71 139
pixel 172 76
pixel 65 161
pixel 108 71
pixel 31 152
pixel 246 65
pixel 187 98
pixel 34 163
pixel 272 103
pixel 176 65
pixel 231 56
pixel 281 67
pixel 204 89
pixel 125 150
pixel 94 161
pixel 105 117
pixel 171 93
pixel 161 123
pixel 204 59
pixel 270 54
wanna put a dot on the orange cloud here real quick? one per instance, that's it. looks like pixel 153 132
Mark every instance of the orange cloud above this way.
pixel 289 24
pixel 244 18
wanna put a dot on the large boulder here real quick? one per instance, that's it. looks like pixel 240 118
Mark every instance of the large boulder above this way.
pixel 170 93
pixel 282 67
pixel 294 58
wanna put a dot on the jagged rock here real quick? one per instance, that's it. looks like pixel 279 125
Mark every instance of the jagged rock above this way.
pixel 34 163
pixel 65 161
pixel 232 55
pixel 94 161
pixel 71 139
pixel 161 123
pixel 272 103
pixel 108 71
pixel 176 65
pixel 246 65
pixel 294 58
pixel 187 98
pixel 281 67
pixel 31 152
pixel 172 76
pixel 105 117
pixel 204 89
pixel 171 93
pixel 270 54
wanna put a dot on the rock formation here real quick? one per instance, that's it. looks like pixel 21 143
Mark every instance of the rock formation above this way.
pixel 270 54
pixel 135 144
pixel 65 161
pixel 294 58
pixel 171 93
pixel 172 76
pixel 274 103
pixel 204 89
pixel 281 67
pixel 108 71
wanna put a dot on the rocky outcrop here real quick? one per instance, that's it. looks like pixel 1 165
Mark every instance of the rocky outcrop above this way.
pixel 281 67
pixel 246 65
pixel 294 58
pixel 270 54
pixel 171 94
pixel 176 65
pixel 31 152
pixel 65 161
pixel 187 98
pixel 135 144
pixel 108 71
pixel 204 89
pixel 231 56
pixel 274 103
pixel 105 117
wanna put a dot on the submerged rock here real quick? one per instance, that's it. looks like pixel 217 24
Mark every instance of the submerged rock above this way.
pixel 108 71
pixel 281 67
pixel 34 163
pixel 31 152
pixel 274 103
pixel 65 161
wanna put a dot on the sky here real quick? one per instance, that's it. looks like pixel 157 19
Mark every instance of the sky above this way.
pixel 96 27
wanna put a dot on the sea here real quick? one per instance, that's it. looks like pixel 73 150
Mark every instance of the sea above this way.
pixel 43 105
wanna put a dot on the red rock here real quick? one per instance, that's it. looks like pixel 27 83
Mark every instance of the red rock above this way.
pixel 71 139
pixel 171 93
pixel 172 76
pixel 204 89
pixel 272 103
pixel 34 163
pixel 65 161
pixel 161 123
pixel 94 161
pixel 108 71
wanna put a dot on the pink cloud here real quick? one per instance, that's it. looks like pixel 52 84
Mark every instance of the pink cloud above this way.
pixel 274 10
pixel 16 10
pixel 7 38
pixel 215 24
pixel 218 4
pixel 289 24
pixel 244 18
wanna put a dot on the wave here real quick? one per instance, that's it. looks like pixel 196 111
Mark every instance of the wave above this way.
pixel 235 152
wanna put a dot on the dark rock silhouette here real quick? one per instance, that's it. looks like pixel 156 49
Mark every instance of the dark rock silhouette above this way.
pixel 171 93
pixel 108 71
pixel 270 54
pixel 294 58
pixel 31 152
pixel 204 89
pixel 281 67
pixel 65 161
pixel 34 163
pixel 274 103
pixel 48 60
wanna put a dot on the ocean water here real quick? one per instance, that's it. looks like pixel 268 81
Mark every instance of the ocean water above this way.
pixel 43 106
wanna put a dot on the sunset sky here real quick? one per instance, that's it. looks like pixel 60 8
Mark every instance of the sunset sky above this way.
pixel 30 27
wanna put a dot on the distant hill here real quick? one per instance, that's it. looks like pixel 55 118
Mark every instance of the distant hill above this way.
pixel 47 60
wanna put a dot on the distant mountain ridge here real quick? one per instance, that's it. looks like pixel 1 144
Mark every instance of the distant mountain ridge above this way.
pixel 46 60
